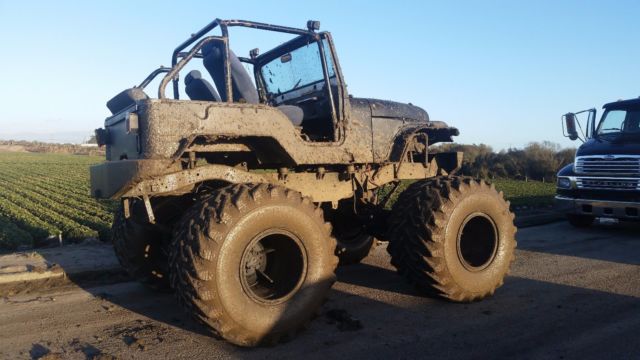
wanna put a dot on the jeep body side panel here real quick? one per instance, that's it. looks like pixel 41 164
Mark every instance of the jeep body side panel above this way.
pixel 166 124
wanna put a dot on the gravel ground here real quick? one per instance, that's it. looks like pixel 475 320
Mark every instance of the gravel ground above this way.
pixel 572 294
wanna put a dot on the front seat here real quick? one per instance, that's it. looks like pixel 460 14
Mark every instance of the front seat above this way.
pixel 198 88
pixel 241 83
pixel 294 113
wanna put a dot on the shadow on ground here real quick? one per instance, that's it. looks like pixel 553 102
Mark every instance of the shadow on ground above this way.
pixel 527 318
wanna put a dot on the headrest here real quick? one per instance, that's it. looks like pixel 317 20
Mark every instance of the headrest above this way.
pixel 211 46
pixel 192 75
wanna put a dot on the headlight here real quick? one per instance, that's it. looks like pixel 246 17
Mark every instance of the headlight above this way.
pixel 564 183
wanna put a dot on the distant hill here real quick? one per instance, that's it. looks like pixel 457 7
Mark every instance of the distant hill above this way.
pixel 44 147
pixel 64 137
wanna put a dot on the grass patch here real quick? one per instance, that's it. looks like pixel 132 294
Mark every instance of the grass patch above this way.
pixel 519 193
pixel 527 193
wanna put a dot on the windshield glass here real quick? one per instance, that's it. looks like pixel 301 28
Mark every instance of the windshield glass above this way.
pixel 298 68
pixel 620 122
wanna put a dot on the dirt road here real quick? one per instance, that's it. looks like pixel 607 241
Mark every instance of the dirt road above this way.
pixel 571 294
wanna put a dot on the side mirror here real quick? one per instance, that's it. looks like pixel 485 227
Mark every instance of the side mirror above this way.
pixel 570 126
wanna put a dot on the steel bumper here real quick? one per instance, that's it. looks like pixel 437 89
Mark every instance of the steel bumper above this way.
pixel 111 179
pixel 598 208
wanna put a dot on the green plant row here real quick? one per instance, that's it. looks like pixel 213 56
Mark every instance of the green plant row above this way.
pixel 86 206
pixel 68 227
pixel 11 236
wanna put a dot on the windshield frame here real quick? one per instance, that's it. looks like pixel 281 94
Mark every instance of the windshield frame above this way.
pixel 314 77
pixel 337 101
pixel 285 48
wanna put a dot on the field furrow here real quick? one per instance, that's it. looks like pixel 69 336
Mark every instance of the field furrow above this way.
pixel 48 194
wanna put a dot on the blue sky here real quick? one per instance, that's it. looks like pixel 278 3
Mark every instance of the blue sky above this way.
pixel 503 72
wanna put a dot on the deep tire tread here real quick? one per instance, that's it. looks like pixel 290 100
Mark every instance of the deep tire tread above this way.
pixel 132 243
pixel 199 235
pixel 416 232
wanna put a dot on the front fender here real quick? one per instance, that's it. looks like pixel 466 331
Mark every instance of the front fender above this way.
pixel 436 132
pixel 567 171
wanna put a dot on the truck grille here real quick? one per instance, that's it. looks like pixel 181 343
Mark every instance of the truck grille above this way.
pixel 608 184
pixel 628 165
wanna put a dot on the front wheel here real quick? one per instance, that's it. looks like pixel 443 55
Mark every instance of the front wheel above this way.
pixel 452 237
pixel 253 262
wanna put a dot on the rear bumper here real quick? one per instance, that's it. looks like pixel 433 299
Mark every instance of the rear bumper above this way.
pixel 112 179
pixel 598 208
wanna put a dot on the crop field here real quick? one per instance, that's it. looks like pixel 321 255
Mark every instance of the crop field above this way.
pixel 519 193
pixel 530 193
pixel 43 195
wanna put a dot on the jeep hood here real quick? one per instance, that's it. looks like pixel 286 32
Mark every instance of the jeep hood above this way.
pixel 396 110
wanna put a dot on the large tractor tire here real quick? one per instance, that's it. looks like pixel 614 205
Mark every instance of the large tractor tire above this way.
pixel 452 237
pixel 254 263
pixel 141 249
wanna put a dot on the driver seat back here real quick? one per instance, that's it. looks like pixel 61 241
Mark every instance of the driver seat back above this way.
pixel 242 86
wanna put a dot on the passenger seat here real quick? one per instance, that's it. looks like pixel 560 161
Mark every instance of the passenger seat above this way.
pixel 198 88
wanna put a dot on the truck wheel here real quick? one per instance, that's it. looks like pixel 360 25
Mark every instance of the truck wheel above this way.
pixel 580 221
pixel 452 237
pixel 141 251
pixel 253 262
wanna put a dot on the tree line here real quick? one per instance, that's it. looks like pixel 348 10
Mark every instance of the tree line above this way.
pixel 43 147
pixel 537 161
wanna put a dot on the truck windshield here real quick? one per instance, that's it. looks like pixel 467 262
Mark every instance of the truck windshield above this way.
pixel 296 69
pixel 618 122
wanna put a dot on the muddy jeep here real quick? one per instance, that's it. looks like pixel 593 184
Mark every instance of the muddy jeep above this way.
pixel 244 198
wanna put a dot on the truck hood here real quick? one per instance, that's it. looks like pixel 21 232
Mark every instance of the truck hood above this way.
pixel 396 110
pixel 604 146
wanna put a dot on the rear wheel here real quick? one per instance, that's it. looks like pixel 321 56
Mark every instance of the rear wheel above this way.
pixel 580 221
pixel 253 262
pixel 452 237
pixel 141 249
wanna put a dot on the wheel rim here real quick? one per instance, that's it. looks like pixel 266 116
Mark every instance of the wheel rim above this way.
pixel 477 242
pixel 273 267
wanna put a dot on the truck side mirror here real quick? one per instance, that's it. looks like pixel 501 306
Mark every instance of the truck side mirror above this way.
pixel 570 126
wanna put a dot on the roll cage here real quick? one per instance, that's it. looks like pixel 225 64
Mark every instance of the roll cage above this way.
pixel 180 57
pixel 191 48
